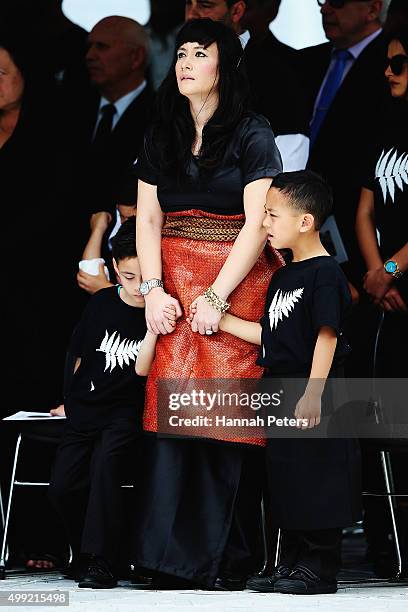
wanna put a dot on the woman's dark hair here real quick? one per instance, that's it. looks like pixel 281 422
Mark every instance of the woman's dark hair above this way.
pixel 400 34
pixel 173 129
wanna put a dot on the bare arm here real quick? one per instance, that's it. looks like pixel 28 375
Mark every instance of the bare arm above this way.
pixel 149 222
pixel 99 223
pixel 378 283
pixel 92 283
pixel 366 230
pixel 60 410
pixel 242 257
pixel 146 354
pixel 249 331
pixel 309 405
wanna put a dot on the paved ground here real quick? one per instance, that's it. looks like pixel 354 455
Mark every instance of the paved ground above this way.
pixel 379 598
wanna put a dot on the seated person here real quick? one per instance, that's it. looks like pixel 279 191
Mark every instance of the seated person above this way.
pixel 104 403
pixel 95 269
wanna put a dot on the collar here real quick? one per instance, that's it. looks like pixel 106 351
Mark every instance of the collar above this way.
pixel 244 38
pixel 125 101
pixel 357 49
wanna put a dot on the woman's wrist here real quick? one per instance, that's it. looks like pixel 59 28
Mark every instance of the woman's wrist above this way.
pixel 154 291
pixel 219 304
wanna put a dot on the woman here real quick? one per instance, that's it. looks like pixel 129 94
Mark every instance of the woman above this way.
pixel 33 246
pixel 383 207
pixel 203 178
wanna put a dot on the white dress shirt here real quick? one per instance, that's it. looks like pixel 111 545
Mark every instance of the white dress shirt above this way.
pixel 121 105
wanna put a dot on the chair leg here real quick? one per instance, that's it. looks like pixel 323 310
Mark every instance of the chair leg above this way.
pixel 1 509
pixel 278 548
pixel 264 538
pixel 390 491
pixel 6 524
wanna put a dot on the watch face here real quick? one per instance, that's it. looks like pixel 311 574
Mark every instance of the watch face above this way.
pixel 391 267
pixel 144 288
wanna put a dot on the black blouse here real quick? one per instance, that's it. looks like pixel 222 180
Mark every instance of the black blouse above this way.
pixel 252 154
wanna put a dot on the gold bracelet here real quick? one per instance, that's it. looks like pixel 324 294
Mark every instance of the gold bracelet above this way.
pixel 216 302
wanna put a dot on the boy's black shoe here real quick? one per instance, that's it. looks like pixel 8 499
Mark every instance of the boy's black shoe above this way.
pixel 98 575
pixel 77 569
pixel 302 581
pixel 266 584
pixel 226 583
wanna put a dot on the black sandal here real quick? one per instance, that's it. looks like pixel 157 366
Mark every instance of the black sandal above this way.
pixel 35 557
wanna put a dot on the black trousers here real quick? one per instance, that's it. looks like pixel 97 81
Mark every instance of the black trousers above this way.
pixel 200 515
pixel 317 550
pixel 86 483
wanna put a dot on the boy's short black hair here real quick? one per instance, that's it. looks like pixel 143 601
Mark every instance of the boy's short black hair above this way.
pixel 124 242
pixel 307 192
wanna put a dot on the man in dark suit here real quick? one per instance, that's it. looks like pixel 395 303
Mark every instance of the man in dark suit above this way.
pixel 108 125
pixel 117 113
pixel 275 90
pixel 345 92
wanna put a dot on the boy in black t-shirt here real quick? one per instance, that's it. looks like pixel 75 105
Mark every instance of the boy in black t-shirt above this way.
pixel 104 401
pixel 312 484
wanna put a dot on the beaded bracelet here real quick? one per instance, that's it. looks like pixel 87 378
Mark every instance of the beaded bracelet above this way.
pixel 216 302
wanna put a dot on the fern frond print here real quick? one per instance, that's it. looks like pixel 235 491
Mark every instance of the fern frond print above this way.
pixel 117 351
pixel 282 305
pixel 391 172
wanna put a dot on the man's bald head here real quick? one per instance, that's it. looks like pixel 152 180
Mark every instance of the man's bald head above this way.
pixel 117 55
pixel 124 28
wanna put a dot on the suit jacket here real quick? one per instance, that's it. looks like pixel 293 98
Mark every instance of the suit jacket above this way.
pixel 275 88
pixel 342 147
pixel 104 172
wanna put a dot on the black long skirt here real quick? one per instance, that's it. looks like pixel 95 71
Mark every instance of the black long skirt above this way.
pixel 200 513
pixel 314 483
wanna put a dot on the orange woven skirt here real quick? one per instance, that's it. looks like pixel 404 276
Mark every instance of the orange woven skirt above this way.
pixel 190 266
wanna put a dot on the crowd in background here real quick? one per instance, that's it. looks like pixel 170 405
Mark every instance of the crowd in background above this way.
pixel 74 108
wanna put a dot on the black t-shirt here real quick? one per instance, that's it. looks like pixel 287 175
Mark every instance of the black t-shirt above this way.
pixel 387 178
pixel 251 154
pixel 302 297
pixel 107 339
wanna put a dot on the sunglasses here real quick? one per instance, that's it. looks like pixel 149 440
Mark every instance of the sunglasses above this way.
pixel 396 63
pixel 337 4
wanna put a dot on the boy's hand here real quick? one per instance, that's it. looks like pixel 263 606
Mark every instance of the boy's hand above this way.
pixel 171 314
pixel 193 310
pixel 309 407
pixel 58 411
pixel 90 283
pixel 100 221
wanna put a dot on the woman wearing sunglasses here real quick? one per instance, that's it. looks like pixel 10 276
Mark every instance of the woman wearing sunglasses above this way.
pixel 384 207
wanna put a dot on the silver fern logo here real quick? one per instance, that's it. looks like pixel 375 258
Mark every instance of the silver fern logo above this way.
pixel 282 305
pixel 117 351
pixel 391 172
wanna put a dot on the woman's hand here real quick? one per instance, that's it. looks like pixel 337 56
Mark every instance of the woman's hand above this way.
pixel 205 318
pixel 392 301
pixel 162 310
pixel 376 283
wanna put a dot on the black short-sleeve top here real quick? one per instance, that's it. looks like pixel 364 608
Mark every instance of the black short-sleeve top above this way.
pixel 250 155
pixel 302 297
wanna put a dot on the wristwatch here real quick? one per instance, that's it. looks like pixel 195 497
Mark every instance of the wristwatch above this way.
pixel 147 286
pixel 391 267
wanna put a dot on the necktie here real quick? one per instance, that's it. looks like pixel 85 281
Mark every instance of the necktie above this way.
pixel 333 81
pixel 104 128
